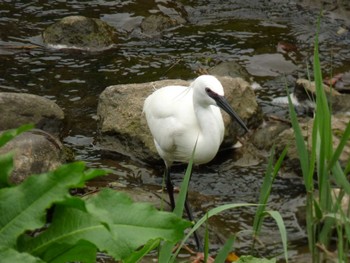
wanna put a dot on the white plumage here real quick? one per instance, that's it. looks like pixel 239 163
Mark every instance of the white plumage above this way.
pixel 179 116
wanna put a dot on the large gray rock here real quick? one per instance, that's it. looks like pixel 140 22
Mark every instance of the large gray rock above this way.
pixel 34 152
pixel 80 32
pixel 21 108
pixel 123 128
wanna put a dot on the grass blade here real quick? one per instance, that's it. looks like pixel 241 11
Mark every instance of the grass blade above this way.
pixel 225 250
pixel 209 214
pixel 282 229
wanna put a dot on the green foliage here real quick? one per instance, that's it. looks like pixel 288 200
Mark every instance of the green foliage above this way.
pixel 325 216
pixel 225 250
pixel 108 221
pixel 270 175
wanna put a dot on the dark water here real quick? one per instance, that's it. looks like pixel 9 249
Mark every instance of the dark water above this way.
pixel 247 32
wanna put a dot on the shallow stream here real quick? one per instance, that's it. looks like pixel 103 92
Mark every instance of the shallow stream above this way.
pixel 271 40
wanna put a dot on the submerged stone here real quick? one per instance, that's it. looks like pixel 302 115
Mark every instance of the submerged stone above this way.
pixel 80 32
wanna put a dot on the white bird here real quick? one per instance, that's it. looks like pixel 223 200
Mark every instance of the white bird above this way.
pixel 181 117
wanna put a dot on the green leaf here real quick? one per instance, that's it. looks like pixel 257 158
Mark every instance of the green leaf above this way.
pixel 8 135
pixel 6 164
pixel 133 224
pixel 11 255
pixel 341 145
pixel 112 222
pixel 139 254
pixel 69 226
pixel 301 147
pixel 82 251
pixel 209 214
pixel 282 229
pixel 93 173
pixel 225 250
pixel 23 207
pixel 265 191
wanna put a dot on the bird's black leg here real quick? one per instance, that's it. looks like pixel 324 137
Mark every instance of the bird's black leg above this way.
pixel 170 187
pixel 190 217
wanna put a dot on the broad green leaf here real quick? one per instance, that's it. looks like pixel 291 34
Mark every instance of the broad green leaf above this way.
pixel 11 255
pixel 93 173
pixel 133 224
pixel 69 226
pixel 139 254
pixel 112 222
pixel 6 164
pixel 23 207
pixel 8 135
pixel 82 251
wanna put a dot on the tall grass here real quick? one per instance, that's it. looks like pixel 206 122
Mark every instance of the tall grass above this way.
pixel 325 216
pixel 166 254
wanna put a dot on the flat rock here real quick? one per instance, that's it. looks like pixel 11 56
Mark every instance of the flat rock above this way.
pixel 21 108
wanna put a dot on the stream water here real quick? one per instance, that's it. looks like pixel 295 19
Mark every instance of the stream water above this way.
pixel 247 32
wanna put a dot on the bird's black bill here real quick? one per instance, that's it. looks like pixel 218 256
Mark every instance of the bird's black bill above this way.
pixel 223 104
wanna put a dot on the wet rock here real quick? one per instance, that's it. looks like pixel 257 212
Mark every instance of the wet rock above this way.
pixel 165 15
pixel 305 89
pixel 79 32
pixel 336 9
pixel 123 128
pixel 20 108
pixel 264 137
pixel 229 68
pixel 342 83
pixel 35 152
pixel 340 104
pixel 305 92
pixel 155 24
pixel 287 137
pixel 269 65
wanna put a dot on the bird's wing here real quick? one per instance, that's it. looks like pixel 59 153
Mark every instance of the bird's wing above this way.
pixel 167 118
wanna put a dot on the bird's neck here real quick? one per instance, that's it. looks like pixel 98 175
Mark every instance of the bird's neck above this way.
pixel 211 125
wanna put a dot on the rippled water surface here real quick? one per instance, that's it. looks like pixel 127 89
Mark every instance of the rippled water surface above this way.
pixel 247 32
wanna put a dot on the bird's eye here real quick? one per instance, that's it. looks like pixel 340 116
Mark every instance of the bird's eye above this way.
pixel 210 93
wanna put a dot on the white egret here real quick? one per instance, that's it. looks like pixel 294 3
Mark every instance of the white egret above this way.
pixel 181 117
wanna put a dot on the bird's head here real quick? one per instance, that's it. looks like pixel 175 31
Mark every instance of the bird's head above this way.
pixel 207 90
